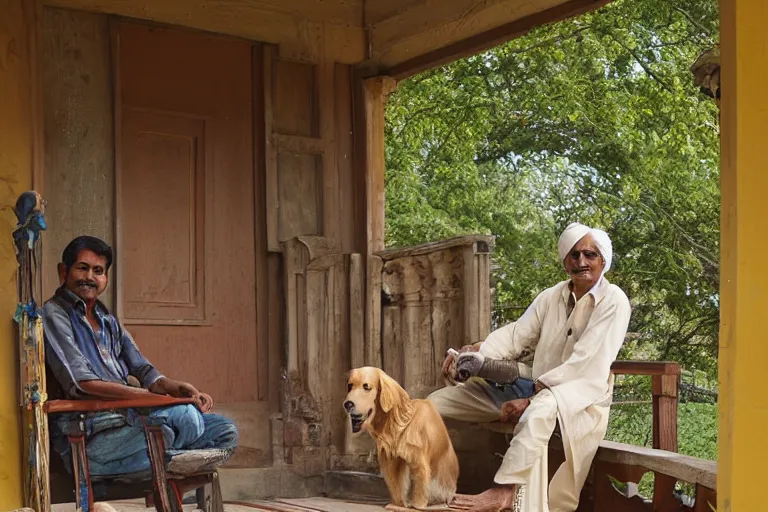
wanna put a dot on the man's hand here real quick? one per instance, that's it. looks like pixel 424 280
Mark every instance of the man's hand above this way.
pixel 449 358
pixel 178 389
pixel 203 400
pixel 512 410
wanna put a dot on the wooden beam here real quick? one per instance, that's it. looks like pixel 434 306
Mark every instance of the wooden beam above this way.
pixel 298 144
pixel 426 25
pixel 345 155
pixel 356 310
pixel 484 40
pixel 683 467
pixel 325 77
pixel 261 248
pixel 375 92
pixel 486 242
pixel 369 135
pixel 645 368
pixel 664 390
pixel 377 11
pixel 270 149
pixel 342 12
pixel 293 24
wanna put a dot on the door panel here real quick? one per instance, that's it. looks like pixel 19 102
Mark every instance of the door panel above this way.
pixel 186 206
pixel 163 180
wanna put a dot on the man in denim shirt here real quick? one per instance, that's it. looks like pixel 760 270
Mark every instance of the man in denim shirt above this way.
pixel 92 356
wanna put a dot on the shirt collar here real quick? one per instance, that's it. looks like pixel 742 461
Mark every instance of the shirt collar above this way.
pixel 79 303
pixel 598 291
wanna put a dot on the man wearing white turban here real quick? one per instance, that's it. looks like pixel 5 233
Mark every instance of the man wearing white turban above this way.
pixel 566 342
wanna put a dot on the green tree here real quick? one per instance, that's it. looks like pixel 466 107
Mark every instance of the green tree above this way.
pixel 594 119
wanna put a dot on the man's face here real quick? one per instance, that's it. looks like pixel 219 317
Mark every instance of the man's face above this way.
pixel 585 263
pixel 87 278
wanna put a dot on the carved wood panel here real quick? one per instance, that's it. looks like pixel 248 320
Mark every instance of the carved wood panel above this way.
pixel 302 178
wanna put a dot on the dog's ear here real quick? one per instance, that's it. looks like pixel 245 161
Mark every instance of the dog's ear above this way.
pixel 390 392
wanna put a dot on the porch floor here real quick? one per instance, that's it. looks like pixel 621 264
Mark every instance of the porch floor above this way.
pixel 318 504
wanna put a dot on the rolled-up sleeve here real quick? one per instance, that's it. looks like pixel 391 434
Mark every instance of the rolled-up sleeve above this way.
pixel 137 364
pixel 65 360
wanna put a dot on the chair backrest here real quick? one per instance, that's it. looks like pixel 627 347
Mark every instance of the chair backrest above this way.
pixel 53 388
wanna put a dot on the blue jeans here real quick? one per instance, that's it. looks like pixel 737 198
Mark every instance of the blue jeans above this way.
pixel 116 444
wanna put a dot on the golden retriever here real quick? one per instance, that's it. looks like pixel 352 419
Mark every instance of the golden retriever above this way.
pixel 416 456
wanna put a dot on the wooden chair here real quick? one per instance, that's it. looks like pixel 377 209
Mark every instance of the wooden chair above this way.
pixel 164 491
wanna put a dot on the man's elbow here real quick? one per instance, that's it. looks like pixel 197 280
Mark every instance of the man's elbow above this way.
pixel 88 384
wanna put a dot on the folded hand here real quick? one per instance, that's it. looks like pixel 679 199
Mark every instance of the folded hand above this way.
pixel 512 411
pixel 203 401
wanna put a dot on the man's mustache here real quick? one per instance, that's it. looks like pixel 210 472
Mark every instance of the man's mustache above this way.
pixel 579 270
pixel 83 282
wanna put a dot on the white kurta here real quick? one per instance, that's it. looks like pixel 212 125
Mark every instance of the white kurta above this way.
pixel 572 356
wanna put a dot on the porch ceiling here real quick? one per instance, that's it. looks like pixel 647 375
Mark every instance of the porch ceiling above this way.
pixel 408 36
pixel 398 37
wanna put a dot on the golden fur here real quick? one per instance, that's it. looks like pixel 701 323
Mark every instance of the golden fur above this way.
pixel 416 456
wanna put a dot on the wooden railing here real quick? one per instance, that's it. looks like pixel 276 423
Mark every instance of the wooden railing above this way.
pixel 665 379
pixel 626 463
pixel 619 467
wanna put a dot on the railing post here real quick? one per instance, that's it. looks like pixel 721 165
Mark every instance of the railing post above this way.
pixel 664 390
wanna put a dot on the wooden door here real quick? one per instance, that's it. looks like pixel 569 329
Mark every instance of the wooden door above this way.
pixel 185 200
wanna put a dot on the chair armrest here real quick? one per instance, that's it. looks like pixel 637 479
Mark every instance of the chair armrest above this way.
pixel 645 368
pixel 151 400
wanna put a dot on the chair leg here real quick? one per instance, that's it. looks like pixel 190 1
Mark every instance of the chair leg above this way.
pixel 203 498
pixel 82 476
pixel 165 496
pixel 217 500
pixel 209 499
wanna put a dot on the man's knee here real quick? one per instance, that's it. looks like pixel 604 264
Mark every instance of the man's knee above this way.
pixel 221 430
pixel 183 418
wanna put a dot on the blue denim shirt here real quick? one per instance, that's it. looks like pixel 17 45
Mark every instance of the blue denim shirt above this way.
pixel 75 352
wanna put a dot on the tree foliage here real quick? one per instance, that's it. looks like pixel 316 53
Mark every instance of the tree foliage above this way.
pixel 594 119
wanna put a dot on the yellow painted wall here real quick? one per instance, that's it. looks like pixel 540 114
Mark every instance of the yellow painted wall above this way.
pixel 744 267
pixel 16 163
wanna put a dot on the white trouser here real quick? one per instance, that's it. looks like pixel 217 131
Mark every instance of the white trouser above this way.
pixel 525 462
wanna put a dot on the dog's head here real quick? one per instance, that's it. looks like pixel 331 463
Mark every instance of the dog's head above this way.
pixel 370 391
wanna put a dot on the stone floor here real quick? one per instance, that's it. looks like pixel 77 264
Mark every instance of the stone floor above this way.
pixel 276 505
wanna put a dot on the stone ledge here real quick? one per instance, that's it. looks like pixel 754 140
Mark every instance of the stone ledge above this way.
pixel 355 485
pixel 266 483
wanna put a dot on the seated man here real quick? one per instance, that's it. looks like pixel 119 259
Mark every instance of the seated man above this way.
pixel 574 331
pixel 92 356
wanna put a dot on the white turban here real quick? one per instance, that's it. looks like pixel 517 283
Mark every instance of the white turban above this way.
pixel 575 232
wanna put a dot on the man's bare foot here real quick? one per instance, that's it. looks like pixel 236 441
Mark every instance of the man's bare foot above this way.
pixel 494 499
